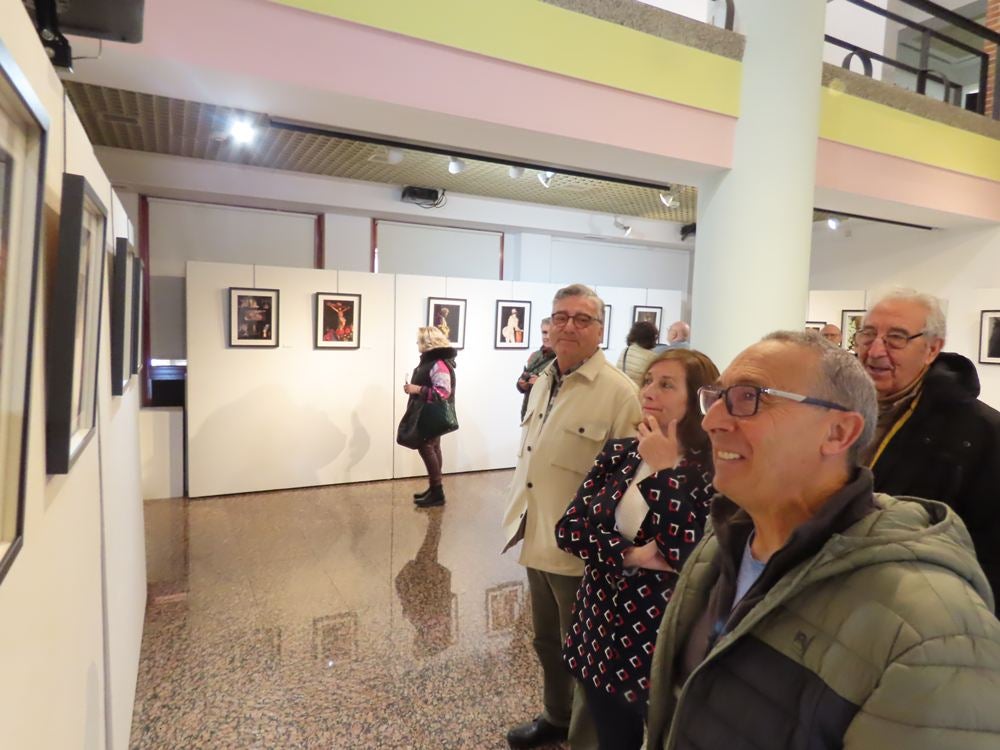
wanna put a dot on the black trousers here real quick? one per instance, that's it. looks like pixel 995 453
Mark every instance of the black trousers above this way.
pixel 430 452
pixel 620 724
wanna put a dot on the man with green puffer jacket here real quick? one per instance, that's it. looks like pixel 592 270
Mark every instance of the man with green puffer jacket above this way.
pixel 816 614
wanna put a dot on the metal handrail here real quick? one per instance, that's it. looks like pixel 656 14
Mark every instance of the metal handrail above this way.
pixel 922 71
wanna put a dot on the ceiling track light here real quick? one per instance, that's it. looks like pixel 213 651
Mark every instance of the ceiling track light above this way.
pixel 455 165
pixel 515 173
pixel 833 222
pixel 625 228
pixel 668 199
pixel 546 178
pixel 242 132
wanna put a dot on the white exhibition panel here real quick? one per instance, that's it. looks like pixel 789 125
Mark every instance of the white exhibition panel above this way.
pixel 293 416
pixel 671 301
pixel 161 444
pixel 486 401
pixel 622 300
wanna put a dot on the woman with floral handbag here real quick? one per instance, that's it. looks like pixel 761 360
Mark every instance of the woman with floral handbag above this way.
pixel 430 412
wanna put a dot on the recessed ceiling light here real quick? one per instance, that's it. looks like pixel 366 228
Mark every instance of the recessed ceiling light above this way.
pixel 515 173
pixel 833 222
pixel 546 178
pixel 242 132
pixel 393 155
pixel 456 165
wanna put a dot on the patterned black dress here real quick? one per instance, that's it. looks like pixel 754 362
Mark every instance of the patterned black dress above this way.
pixel 618 610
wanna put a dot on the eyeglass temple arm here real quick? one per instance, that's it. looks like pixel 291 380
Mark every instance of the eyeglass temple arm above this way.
pixel 804 399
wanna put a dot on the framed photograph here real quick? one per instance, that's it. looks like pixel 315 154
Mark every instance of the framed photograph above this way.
pixel 606 338
pixel 850 324
pixel 989 337
pixel 253 317
pixel 120 295
pixel 449 315
pixel 73 331
pixel 651 314
pixel 24 127
pixel 137 273
pixel 815 325
pixel 338 321
pixel 513 323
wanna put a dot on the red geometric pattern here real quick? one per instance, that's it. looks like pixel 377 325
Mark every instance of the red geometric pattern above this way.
pixel 617 610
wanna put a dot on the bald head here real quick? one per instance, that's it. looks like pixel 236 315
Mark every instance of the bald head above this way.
pixel 678 332
pixel 831 333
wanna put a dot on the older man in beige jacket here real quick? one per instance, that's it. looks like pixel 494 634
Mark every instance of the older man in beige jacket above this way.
pixel 577 404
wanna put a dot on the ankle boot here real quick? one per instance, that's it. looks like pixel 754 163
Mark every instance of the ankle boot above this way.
pixel 421 495
pixel 434 496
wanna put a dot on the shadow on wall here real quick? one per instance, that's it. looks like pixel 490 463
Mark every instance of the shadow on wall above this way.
pixel 281 443
pixel 361 439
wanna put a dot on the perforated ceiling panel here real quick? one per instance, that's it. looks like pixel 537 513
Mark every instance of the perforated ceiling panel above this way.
pixel 143 122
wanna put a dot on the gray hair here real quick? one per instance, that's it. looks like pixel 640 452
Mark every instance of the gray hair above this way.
pixel 581 290
pixel 935 327
pixel 546 322
pixel 841 379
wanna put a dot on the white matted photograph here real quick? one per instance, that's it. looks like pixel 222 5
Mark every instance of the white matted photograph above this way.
pixel 253 317
pixel 850 324
pixel 513 323
pixel 606 338
pixel 989 337
pixel 448 315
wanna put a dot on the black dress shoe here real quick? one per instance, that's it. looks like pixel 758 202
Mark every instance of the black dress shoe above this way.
pixel 419 495
pixel 536 733
pixel 434 497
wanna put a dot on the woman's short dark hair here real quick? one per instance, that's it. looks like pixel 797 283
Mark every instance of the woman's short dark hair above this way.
pixel 699 370
pixel 644 334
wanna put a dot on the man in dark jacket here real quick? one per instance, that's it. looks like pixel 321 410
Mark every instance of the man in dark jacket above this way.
pixel 816 614
pixel 934 438
pixel 537 362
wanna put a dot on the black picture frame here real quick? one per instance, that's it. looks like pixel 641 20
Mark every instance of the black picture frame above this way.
pixel 850 324
pixel 606 336
pixel 253 317
pixel 120 317
pixel 989 337
pixel 448 315
pixel 337 321
pixel 20 234
pixel 513 324
pixel 651 313
pixel 74 320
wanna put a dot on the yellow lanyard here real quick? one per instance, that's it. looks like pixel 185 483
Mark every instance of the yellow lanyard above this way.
pixel 895 428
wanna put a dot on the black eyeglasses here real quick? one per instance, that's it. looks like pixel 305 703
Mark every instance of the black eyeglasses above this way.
pixel 580 320
pixel 893 339
pixel 744 400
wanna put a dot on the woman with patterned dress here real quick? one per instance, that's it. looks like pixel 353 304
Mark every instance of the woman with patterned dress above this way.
pixel 635 519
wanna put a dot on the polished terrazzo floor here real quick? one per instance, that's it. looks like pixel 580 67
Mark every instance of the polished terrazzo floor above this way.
pixel 334 617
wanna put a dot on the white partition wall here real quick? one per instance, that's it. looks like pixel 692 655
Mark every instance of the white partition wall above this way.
pixel 294 416
pixel 827 305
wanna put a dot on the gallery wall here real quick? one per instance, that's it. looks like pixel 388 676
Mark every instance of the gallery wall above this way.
pixel 73 600
pixel 295 416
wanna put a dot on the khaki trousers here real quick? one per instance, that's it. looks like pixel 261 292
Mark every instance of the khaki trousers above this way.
pixel 552 599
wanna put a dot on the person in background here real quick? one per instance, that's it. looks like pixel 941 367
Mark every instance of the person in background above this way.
pixel 831 333
pixel 678 335
pixel 638 352
pixel 579 402
pixel 633 522
pixel 537 362
pixel 934 437
pixel 433 378
pixel 816 613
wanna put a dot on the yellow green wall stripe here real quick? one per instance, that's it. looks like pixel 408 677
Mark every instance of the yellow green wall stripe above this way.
pixel 542 36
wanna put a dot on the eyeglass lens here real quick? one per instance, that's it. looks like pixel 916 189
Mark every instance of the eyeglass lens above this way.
pixel 580 320
pixel 894 340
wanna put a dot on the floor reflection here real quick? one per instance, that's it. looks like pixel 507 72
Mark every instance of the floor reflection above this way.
pixel 336 617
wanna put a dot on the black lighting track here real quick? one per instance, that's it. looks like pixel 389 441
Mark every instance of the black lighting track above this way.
pixel 845 215
pixel 301 127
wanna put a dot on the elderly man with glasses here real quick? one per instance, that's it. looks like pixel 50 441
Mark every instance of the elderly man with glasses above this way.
pixel 934 438
pixel 816 613
pixel 577 404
